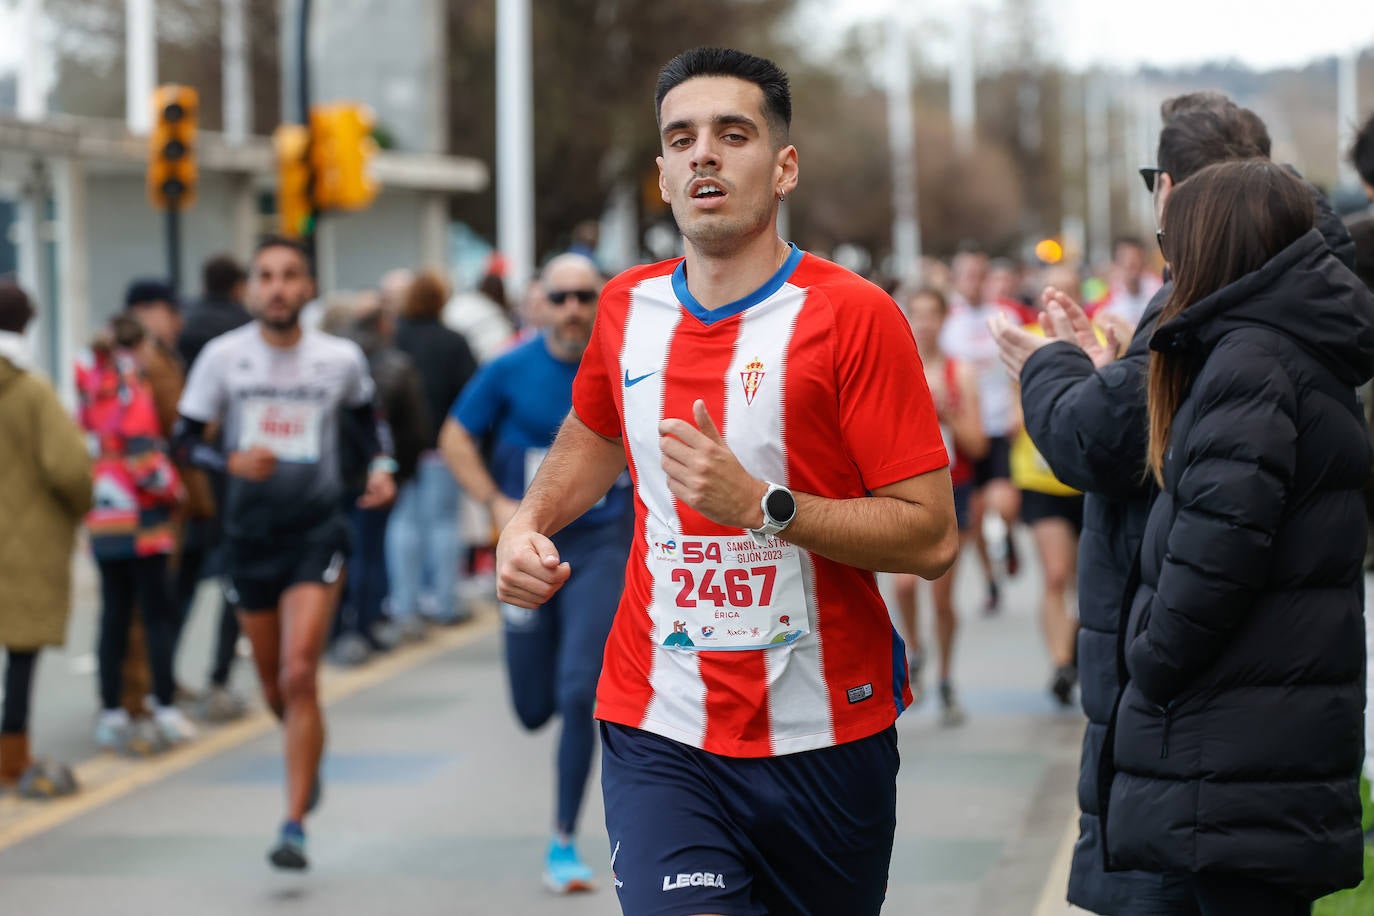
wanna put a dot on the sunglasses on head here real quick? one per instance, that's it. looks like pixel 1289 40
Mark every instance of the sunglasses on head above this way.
pixel 1150 175
pixel 584 296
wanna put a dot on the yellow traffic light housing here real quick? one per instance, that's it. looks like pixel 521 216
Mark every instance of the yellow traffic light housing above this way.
pixel 341 151
pixel 294 209
pixel 172 168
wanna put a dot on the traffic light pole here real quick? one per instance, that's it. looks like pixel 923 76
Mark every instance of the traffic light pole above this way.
pixel 303 101
pixel 174 243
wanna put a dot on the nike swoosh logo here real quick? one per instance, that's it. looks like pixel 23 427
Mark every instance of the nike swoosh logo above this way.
pixel 631 382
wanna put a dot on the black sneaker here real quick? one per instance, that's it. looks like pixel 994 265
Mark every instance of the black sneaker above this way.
pixel 1065 677
pixel 1013 559
pixel 994 602
pixel 289 853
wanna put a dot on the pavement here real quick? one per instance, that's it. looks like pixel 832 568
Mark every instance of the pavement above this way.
pixel 436 802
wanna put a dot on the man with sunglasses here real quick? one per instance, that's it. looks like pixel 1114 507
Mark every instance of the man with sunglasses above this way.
pixel 553 653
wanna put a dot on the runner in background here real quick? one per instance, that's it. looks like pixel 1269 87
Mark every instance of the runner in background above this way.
pixel 1054 513
pixel 553 652
pixel 279 390
pixel 966 338
pixel 955 393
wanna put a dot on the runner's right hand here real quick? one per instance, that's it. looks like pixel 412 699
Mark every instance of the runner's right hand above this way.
pixel 528 568
pixel 256 464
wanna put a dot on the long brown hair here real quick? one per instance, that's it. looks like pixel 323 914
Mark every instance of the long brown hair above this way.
pixel 1224 222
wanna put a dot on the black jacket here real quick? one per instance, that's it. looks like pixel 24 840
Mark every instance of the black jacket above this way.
pixel 445 363
pixel 1238 736
pixel 400 399
pixel 1091 427
pixel 206 320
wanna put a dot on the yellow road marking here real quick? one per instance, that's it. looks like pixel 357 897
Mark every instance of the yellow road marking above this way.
pixel 1052 902
pixel 106 778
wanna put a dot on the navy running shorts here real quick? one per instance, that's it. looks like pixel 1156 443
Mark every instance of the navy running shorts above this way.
pixel 808 834
pixel 963 505
pixel 258 572
pixel 996 464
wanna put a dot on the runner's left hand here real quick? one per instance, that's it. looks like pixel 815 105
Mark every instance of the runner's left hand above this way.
pixel 706 475
pixel 380 492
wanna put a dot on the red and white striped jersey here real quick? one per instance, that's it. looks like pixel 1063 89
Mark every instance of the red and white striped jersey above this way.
pixel 815 383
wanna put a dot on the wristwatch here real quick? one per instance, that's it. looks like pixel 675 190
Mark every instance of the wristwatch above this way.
pixel 779 508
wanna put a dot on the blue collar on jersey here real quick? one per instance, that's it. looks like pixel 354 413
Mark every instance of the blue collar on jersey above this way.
pixel 711 316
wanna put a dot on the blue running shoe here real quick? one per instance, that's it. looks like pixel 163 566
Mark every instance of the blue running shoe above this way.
pixel 289 853
pixel 564 872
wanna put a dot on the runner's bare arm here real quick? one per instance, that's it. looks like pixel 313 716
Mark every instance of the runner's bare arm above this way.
pixel 907 526
pixel 580 468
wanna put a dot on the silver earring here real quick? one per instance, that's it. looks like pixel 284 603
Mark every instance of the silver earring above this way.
pixel 782 197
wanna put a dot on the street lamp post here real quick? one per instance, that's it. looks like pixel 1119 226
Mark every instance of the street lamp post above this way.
pixel 514 144
pixel 901 132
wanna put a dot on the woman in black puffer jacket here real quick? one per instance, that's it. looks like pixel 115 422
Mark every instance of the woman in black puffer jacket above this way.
pixel 1236 745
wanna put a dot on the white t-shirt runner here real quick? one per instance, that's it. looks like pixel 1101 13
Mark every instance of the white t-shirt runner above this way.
pixel 967 338
pixel 288 400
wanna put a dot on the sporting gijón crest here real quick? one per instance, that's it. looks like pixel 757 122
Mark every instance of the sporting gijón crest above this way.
pixel 752 377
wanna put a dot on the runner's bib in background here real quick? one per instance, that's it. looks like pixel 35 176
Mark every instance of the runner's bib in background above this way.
pixel 726 593
pixel 289 429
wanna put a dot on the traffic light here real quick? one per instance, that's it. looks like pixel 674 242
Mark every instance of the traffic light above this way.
pixel 341 150
pixel 172 148
pixel 294 210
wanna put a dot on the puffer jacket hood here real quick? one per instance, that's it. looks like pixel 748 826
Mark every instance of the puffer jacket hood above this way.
pixel 1305 293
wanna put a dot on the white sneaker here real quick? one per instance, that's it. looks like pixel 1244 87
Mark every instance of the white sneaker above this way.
pixel 173 725
pixel 112 730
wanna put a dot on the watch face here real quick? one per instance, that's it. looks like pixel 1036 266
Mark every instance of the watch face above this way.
pixel 781 506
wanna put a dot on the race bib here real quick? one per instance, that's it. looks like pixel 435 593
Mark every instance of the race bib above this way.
pixel 291 430
pixel 726 593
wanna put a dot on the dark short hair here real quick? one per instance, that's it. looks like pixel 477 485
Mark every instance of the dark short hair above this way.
pixel 1203 128
pixel 768 76
pixel 268 242
pixel 220 274
pixel 1129 240
pixel 15 309
pixel 1362 152
pixel 147 292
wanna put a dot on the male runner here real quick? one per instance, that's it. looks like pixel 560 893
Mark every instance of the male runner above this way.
pixel 278 389
pixel 553 654
pixel 966 338
pixel 783 445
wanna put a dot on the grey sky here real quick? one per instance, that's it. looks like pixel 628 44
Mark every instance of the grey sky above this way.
pixel 1261 33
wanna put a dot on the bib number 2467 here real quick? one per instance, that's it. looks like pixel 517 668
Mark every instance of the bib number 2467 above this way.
pixel 727 593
